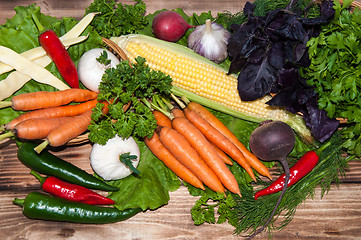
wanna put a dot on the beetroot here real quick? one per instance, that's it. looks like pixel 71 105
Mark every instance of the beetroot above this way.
pixel 169 26
pixel 273 141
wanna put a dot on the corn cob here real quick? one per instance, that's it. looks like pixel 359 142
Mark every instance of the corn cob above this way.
pixel 203 81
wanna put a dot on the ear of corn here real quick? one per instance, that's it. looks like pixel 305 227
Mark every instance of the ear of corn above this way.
pixel 203 81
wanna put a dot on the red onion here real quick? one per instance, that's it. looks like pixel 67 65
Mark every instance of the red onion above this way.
pixel 169 26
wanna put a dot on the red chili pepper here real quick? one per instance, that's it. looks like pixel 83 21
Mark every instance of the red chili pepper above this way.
pixel 71 191
pixel 58 53
pixel 300 169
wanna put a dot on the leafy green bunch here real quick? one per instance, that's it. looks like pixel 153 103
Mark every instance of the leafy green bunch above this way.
pixel 114 19
pixel 335 71
pixel 247 214
pixel 125 88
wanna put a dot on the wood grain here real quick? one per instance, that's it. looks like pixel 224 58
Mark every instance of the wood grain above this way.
pixel 336 216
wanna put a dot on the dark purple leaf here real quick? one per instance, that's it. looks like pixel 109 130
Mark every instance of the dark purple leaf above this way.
pixel 322 127
pixel 297 97
pixel 248 9
pixel 284 24
pixel 237 63
pixel 255 81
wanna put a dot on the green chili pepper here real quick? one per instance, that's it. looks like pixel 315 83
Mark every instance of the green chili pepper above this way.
pixel 49 164
pixel 46 207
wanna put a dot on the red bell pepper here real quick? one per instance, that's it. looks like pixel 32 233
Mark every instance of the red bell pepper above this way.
pixel 71 191
pixel 58 53
pixel 300 169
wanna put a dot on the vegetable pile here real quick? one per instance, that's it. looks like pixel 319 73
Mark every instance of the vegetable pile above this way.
pixel 307 58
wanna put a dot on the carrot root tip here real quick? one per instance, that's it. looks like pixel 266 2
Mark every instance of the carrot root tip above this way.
pixel 5 104
pixel 6 135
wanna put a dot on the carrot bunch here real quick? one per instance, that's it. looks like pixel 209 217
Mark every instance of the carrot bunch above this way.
pixel 50 116
pixel 197 147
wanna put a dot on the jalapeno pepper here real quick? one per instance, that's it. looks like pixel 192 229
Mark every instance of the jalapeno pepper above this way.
pixel 300 169
pixel 49 164
pixel 46 207
pixel 71 192
pixel 58 53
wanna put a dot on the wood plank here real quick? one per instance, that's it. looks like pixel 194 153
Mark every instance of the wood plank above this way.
pixel 315 218
pixel 76 9
pixel 336 216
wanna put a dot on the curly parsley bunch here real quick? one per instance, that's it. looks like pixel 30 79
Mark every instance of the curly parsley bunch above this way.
pixel 127 85
pixel 117 19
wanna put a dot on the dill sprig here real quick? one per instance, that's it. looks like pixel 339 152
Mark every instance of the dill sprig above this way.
pixel 254 213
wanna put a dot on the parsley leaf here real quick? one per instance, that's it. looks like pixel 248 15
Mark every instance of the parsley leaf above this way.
pixel 335 72
pixel 124 88
pixel 210 203
pixel 103 58
pixel 117 19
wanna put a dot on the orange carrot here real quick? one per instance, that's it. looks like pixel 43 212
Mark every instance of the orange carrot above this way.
pixel 45 99
pixel 188 156
pixel 62 111
pixel 38 128
pixel 207 152
pixel 224 156
pixel 163 154
pixel 162 119
pixel 218 139
pixel 67 131
pixel 177 112
pixel 217 124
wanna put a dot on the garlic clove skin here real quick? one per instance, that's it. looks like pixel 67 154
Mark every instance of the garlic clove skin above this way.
pixel 90 70
pixel 210 41
pixel 105 162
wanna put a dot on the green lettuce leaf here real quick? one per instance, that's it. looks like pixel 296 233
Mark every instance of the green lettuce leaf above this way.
pixel 21 34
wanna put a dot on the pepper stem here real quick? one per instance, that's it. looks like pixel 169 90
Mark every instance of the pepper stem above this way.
pixel 38 23
pixel 38 176
pixel 18 201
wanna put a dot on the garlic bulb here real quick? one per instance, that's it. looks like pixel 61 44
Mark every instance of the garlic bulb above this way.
pixel 90 70
pixel 105 159
pixel 210 40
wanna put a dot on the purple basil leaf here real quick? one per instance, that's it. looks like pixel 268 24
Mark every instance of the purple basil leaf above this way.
pixel 277 53
pixel 286 25
pixel 297 97
pixel 237 64
pixel 248 9
pixel 256 80
pixel 322 127
pixel 245 39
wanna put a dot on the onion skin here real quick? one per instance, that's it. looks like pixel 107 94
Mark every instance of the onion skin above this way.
pixel 169 26
pixel 91 71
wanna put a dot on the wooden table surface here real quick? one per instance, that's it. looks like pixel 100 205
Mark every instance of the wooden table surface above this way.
pixel 336 216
